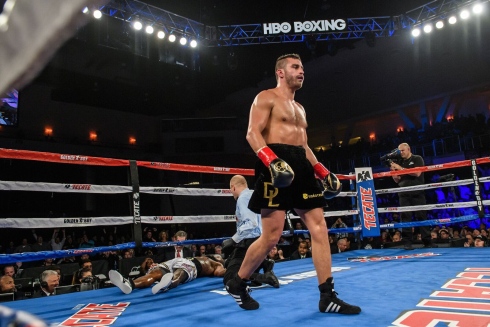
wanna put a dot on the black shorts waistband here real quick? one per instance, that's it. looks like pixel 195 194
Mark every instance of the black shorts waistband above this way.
pixel 198 265
pixel 295 150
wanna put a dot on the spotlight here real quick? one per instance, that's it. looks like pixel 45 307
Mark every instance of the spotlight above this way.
pixel 428 28
pixel 97 14
pixel 137 25
pixel 149 29
pixel 478 8
pixel 464 14
pixel 161 34
pixel 183 41
pixel 415 32
pixel 193 44
pixel 171 38
pixel 452 20
pixel 85 10
pixel 440 24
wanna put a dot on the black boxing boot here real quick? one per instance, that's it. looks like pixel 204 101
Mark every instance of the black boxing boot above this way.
pixel 330 303
pixel 268 265
pixel 239 290
pixel 268 278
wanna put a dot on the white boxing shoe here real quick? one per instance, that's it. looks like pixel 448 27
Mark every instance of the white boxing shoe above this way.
pixel 163 284
pixel 118 280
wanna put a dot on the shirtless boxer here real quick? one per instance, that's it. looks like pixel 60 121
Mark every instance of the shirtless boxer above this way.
pixel 285 180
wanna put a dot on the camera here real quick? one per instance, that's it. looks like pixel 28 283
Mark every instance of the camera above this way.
pixel 393 156
pixel 89 283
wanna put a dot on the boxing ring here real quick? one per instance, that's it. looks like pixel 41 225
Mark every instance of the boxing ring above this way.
pixel 393 287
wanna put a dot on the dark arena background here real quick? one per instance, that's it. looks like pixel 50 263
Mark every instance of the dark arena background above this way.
pixel 113 138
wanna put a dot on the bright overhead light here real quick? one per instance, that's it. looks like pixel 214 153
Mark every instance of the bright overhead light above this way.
pixel 97 14
pixel 161 34
pixel 171 38
pixel 193 44
pixel 452 20
pixel 428 28
pixel 440 24
pixel 464 14
pixel 415 32
pixel 149 29
pixel 183 41
pixel 137 25
pixel 478 8
pixel 85 10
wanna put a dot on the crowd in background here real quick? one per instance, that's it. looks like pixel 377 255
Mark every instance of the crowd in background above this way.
pixel 463 126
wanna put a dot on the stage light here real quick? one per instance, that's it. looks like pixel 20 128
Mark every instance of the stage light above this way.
pixel 428 28
pixel 464 14
pixel 132 140
pixel 183 41
pixel 97 14
pixel 149 29
pixel 478 8
pixel 171 38
pixel 161 34
pixel 415 32
pixel 93 136
pixel 452 20
pixel 48 131
pixel 137 25
pixel 85 10
pixel 440 24
pixel 193 44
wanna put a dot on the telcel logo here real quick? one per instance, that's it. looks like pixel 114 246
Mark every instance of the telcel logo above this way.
pixel 306 26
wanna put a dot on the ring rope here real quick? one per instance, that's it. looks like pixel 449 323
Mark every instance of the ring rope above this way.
pixel 118 189
pixel 107 189
pixel 98 161
pixel 113 221
pixel 455 164
pixel 109 221
pixel 86 188
pixel 424 186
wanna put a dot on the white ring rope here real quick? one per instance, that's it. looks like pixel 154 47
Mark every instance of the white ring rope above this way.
pixel 424 186
pixel 109 221
pixel 63 188
pixel 118 189
pixel 433 206
pixel 108 189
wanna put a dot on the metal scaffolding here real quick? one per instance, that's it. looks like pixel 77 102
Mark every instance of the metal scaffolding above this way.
pixel 253 34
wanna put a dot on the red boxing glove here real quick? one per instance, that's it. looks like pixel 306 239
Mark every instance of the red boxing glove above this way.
pixel 320 170
pixel 331 183
pixel 281 174
pixel 266 155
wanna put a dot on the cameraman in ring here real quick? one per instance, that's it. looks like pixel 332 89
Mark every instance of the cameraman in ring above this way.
pixel 404 159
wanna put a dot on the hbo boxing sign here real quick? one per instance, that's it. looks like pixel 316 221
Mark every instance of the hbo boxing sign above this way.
pixel 307 26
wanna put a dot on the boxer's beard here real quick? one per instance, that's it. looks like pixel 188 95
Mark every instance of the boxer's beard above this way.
pixel 292 82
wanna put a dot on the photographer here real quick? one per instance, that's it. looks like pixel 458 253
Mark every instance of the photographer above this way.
pixel 408 160
pixel 340 224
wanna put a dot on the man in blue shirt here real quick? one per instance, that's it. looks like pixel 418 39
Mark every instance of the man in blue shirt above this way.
pixel 249 228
